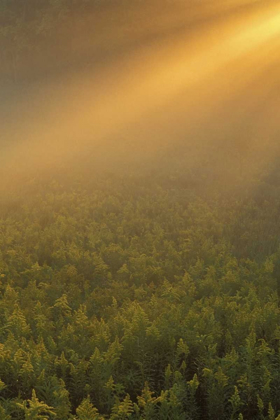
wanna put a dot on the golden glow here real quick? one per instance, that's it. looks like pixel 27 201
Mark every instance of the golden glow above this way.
pixel 183 83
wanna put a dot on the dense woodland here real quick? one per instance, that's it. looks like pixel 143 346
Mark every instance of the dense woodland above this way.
pixel 140 297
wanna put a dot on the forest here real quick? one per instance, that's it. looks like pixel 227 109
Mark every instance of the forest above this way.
pixel 139 210
pixel 140 297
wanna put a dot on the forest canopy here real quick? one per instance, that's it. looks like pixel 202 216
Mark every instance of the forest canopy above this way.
pixel 140 297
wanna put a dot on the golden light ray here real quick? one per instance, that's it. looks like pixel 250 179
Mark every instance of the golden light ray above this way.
pixel 90 110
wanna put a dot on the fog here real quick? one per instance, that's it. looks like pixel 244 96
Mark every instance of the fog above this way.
pixel 194 84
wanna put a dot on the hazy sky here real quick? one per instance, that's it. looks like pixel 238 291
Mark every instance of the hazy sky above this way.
pixel 187 76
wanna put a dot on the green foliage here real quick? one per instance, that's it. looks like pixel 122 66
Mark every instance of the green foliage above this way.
pixel 35 409
pixel 3 414
pixel 134 300
pixel 122 409
pixel 86 411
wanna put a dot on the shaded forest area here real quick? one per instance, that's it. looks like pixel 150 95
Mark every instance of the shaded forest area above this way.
pixel 140 297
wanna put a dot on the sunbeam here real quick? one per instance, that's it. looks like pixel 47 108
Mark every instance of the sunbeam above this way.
pixel 182 81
